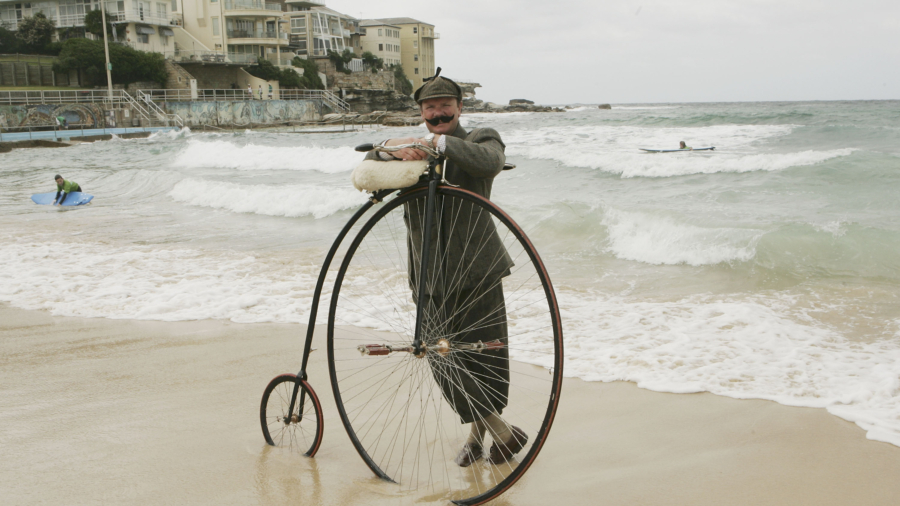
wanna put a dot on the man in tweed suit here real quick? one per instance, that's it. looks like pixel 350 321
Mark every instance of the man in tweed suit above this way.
pixel 471 307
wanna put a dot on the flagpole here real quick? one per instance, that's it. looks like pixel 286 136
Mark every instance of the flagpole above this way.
pixel 106 49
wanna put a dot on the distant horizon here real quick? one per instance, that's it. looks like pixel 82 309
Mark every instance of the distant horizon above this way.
pixel 585 104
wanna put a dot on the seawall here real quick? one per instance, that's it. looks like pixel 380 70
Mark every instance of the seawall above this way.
pixel 224 113
pixel 245 113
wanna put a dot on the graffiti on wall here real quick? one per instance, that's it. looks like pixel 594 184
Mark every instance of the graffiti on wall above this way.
pixel 44 115
pixel 244 112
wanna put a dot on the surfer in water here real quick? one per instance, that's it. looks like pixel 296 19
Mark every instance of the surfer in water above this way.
pixel 64 188
pixel 684 146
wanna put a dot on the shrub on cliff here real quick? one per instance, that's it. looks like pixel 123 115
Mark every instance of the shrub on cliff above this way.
pixel 35 32
pixel 9 43
pixel 93 23
pixel 310 79
pixel 401 82
pixel 372 62
pixel 340 60
pixel 128 65
pixel 287 78
pixel 264 69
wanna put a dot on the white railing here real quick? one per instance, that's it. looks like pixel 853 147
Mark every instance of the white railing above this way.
pixel 61 97
pixel 157 110
pixel 255 34
pixel 143 16
pixel 186 55
pixel 333 101
pixel 256 5
pixel 243 58
pixel 211 95
pixel 149 112
pixel 129 15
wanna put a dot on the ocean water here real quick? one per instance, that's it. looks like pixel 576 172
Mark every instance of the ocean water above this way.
pixel 767 269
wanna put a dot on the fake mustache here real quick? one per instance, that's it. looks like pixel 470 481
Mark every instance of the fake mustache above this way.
pixel 440 119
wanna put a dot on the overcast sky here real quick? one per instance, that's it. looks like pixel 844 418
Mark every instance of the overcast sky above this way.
pixel 566 51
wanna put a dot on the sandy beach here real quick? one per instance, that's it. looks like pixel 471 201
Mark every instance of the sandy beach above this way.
pixel 99 411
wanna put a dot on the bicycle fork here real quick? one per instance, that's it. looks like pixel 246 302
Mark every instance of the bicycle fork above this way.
pixel 435 175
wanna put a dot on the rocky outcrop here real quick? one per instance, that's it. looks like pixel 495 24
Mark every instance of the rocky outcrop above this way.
pixel 385 118
pixel 604 106
pixel 367 101
pixel 520 101
pixel 479 106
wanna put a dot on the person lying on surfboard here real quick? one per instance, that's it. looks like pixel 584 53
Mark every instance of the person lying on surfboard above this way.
pixel 684 146
pixel 64 188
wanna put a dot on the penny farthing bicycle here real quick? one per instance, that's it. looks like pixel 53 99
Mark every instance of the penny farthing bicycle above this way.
pixel 416 289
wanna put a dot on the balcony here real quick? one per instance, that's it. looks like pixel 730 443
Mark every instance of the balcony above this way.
pixel 251 8
pixel 432 36
pixel 265 37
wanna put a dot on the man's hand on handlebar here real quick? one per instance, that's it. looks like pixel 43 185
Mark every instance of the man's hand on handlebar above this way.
pixel 408 153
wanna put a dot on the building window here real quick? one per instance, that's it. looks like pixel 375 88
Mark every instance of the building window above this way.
pixel 415 57
pixel 164 40
pixel 415 43
pixel 379 32
pixel 174 5
pixel 416 70
pixel 298 25
pixel 161 11
pixel 415 29
pixel 215 23
pixel 381 47
pixel 143 38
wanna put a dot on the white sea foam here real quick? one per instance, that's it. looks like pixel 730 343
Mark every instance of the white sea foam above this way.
pixel 227 154
pixel 282 200
pixel 658 239
pixel 755 347
pixel 615 149
pixel 170 135
pixel 634 137
pixel 152 284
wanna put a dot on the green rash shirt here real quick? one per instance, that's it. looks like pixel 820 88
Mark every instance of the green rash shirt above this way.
pixel 67 186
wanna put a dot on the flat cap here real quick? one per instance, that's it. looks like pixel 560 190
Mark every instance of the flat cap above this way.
pixel 437 87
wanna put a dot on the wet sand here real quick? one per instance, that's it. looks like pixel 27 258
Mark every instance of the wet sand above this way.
pixel 96 411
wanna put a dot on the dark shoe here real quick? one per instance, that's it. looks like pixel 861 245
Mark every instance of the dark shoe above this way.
pixel 502 452
pixel 470 453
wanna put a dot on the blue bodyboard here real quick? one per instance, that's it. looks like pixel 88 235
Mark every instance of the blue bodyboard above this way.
pixel 74 199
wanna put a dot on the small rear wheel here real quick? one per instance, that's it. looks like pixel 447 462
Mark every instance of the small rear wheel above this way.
pixel 298 430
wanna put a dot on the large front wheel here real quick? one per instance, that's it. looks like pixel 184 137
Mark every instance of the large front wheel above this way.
pixel 463 415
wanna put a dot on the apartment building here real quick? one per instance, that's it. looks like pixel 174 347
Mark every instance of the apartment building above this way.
pixel 241 30
pixel 416 47
pixel 149 26
pixel 382 40
pixel 315 29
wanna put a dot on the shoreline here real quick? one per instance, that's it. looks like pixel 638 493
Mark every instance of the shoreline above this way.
pixel 122 411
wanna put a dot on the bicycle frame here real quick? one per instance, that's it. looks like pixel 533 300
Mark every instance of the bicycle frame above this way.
pixel 435 171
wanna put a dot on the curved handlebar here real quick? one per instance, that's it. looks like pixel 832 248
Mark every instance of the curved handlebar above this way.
pixel 416 145
pixel 391 149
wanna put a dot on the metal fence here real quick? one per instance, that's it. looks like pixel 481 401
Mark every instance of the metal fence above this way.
pixel 211 95
pixel 61 97
pixel 202 95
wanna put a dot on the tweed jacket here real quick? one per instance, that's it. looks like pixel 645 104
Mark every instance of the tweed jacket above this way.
pixel 471 250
